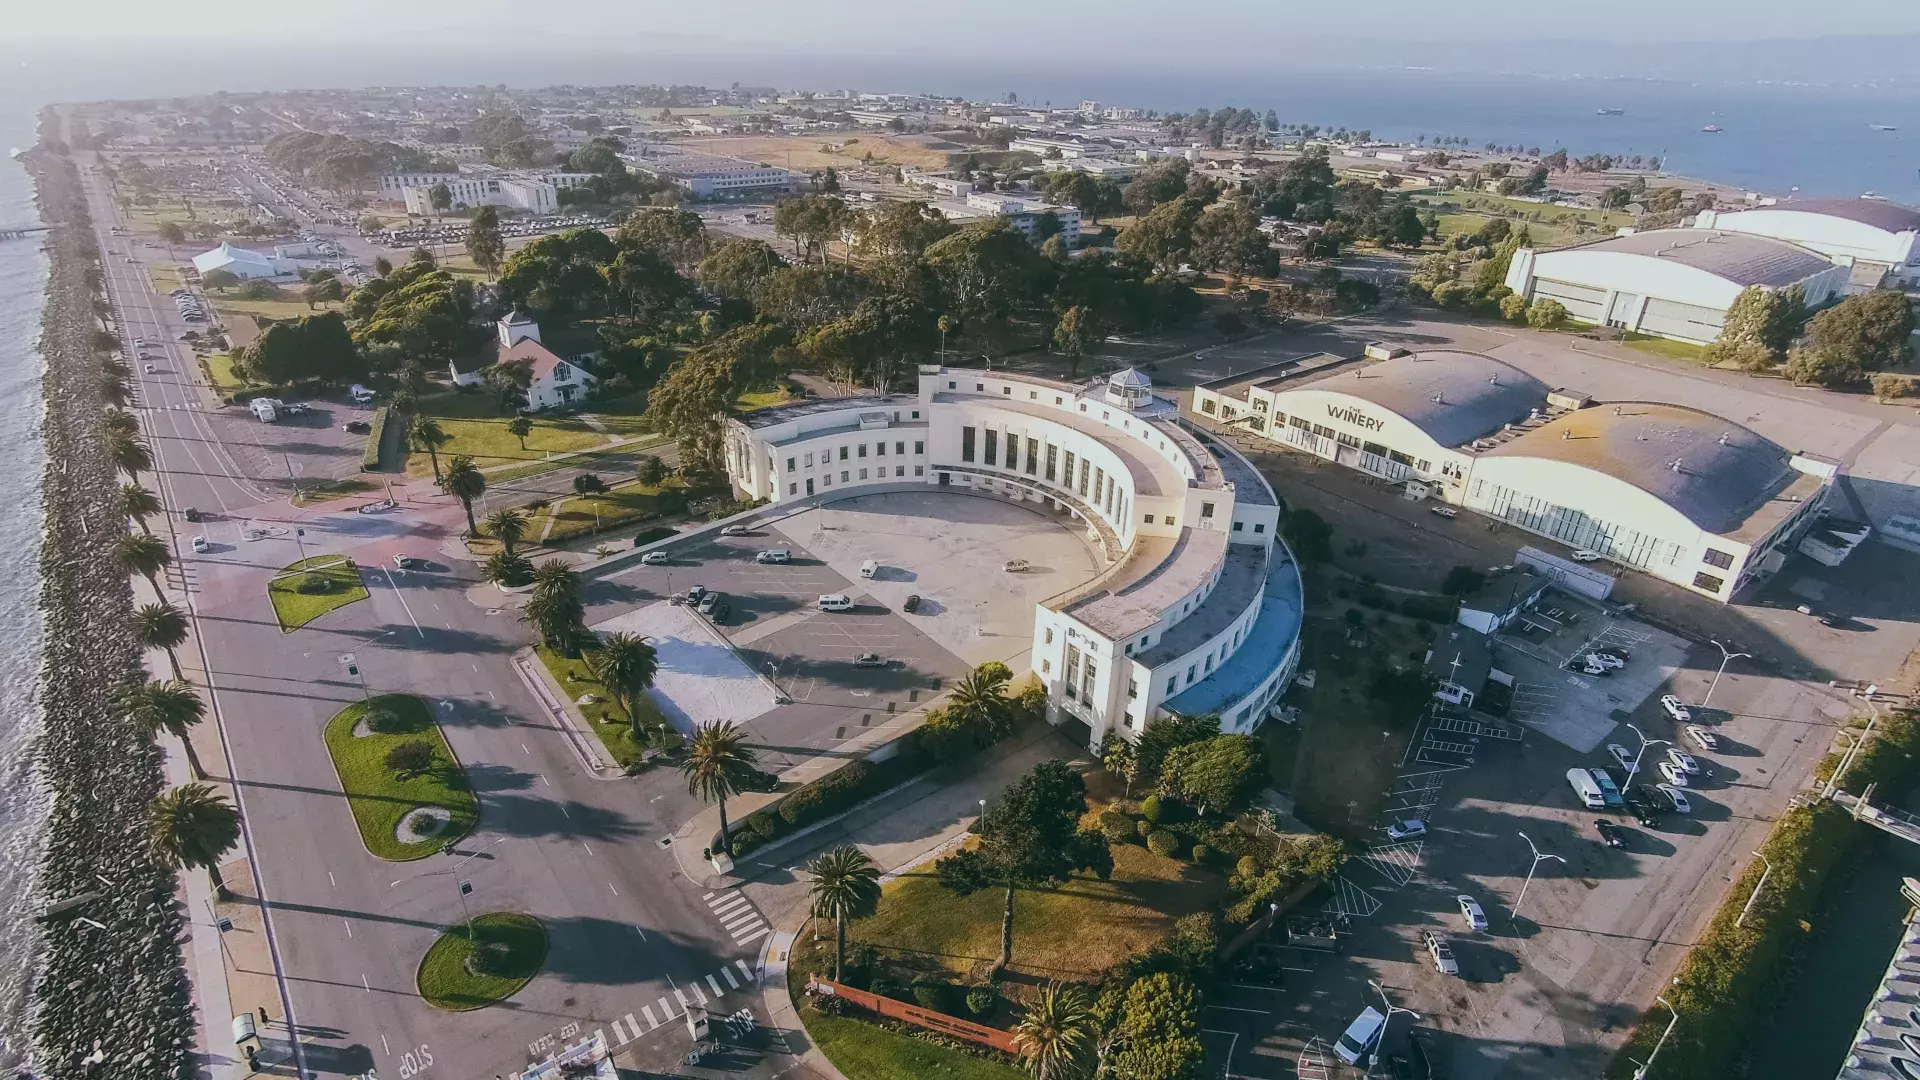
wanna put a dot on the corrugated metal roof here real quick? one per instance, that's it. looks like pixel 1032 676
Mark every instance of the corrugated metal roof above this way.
pixel 1712 470
pixel 1875 212
pixel 1455 397
pixel 1742 258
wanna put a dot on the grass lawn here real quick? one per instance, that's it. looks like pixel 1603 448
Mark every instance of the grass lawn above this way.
pixel 228 305
pixel 477 426
pixel 220 372
pixel 582 515
pixel 314 494
pixel 866 1051
pixel 761 399
pixel 165 278
pixel 296 609
pixel 619 459
pixel 1077 930
pixel 607 722
pixel 1673 350
pixel 377 798
pixel 1348 748
pixel 519 945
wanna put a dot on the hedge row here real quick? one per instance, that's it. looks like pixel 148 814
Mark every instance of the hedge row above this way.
pixel 856 780
pixel 376 436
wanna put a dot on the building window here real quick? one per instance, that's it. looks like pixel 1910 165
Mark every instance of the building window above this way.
pixel 1073 672
pixel 1046 667
pixel 1149 519
pixel 1083 406
pixel 1085 471
pixel 1033 395
pixel 1058 400
pixel 919 470
pixel 843 476
pixel 863 474
pixel 1013 451
pixel 900 448
pixel 1206 406
pixel 863 449
pixel 1237 525
pixel 950 386
pixel 1006 391
pixel 1190 670
pixel 809 460
pixel 1049 636
pixel 1133 689
pixel 1052 452
pixel 1033 455
pixel 992 454
pixel 1168 519
pixel 826 481
pixel 1259 527
pixel 916 412
pixel 966 443
pixel 879 449
pixel 793 489
pixel 1086 687
pixel 843 453
pixel 1715 557
pixel 790 464
pixel 919 447
pixel 1708 583
pixel 1206 510
pixel 980 388
pixel 899 470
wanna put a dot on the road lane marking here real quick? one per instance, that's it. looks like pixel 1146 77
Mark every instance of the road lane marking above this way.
pixel 384 1048
pixel 563 812
pixel 363 983
pixel 681 995
pixel 744 969
pixel 706 896
pixel 744 919
pixel 647 1011
pixel 330 880
pixel 349 927
pixel 544 780
pixel 760 933
pixel 667 1008
pixel 642 933
pixel 524 750
pixel 403 603
pixel 620 1036
pixel 589 847
pixel 616 892
pixel 696 993
pixel 715 983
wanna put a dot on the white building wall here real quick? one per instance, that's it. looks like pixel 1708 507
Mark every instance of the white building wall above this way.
pixel 1623 284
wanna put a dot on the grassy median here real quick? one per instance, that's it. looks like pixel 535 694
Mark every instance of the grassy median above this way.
pixel 380 797
pixel 612 728
pixel 308 589
pixel 458 976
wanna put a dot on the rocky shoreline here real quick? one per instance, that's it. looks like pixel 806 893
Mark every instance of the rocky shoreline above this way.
pixel 110 997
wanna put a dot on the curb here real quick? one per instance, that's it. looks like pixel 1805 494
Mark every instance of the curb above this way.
pixel 783 1014
pixel 586 746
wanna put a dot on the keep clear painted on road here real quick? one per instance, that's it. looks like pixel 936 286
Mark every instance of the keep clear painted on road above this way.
pixel 412 1063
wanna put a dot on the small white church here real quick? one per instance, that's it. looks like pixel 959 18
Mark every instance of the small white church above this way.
pixel 556 383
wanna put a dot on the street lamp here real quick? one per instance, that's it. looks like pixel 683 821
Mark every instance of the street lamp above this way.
pixel 1757 886
pixel 460 886
pixel 1634 769
pixel 1385 1024
pixel 1641 1072
pixel 1538 855
pixel 1725 658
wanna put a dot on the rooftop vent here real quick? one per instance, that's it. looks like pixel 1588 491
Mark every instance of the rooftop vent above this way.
pixel 1723 438
pixel 1439 399
pixel 1675 465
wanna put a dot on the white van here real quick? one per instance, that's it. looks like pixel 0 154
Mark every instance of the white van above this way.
pixel 360 393
pixel 774 555
pixel 836 602
pixel 1584 786
pixel 1361 1036
pixel 869 568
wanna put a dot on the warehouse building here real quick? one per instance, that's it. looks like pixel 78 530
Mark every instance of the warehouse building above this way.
pixel 1671 283
pixel 1676 492
pixel 1874 237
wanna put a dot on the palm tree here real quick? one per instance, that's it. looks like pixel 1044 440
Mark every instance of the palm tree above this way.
pixel 625 665
pixel 123 421
pixel 465 482
pixel 554 608
pixel 719 764
pixel 427 435
pixel 507 526
pixel 520 427
pixel 129 454
pixel 115 389
pixel 843 884
pixel 981 704
pixel 503 569
pixel 161 626
pixel 1055 1034
pixel 172 707
pixel 192 826
pixel 139 504
pixel 143 554
pixel 556 575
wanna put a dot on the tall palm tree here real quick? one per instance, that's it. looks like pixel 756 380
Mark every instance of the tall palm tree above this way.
pixel 143 554
pixel 427 435
pixel 130 455
pixel 139 504
pixel 1055 1035
pixel 719 764
pixel 554 606
pixel 507 526
pixel 193 826
pixel 123 421
pixel 625 665
pixel 465 482
pixel 843 884
pixel 980 701
pixel 172 707
pixel 115 389
pixel 161 626
pixel 557 576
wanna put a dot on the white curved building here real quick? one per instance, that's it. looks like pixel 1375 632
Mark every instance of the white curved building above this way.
pixel 1874 237
pixel 1198 607
pixel 1672 283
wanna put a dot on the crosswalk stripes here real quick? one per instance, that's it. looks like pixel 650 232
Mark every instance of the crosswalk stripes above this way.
pixel 739 918
pixel 627 1028
pixel 1395 862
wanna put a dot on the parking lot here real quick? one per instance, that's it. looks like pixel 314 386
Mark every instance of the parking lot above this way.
pixel 946 548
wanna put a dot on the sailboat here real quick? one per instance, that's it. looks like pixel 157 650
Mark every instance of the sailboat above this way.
pixel 1711 129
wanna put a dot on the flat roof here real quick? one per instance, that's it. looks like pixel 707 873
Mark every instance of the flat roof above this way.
pixel 1742 258
pixel 1153 578
pixel 1260 652
pixel 1878 213
pixel 1249 487
pixel 1712 470
pixel 780 414
pixel 1151 473
pixel 1240 575
pixel 1455 397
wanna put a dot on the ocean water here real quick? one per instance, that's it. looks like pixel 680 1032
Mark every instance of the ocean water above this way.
pixel 23 802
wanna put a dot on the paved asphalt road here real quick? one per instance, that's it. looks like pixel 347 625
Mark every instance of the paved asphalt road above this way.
pixel 628 934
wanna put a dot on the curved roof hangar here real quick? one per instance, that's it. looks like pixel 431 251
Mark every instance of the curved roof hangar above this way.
pixel 1454 397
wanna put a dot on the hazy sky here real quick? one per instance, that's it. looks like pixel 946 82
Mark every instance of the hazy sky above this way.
pixel 1134 29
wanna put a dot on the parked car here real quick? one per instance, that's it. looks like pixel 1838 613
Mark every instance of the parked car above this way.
pixel 1676 798
pixel 912 605
pixel 720 612
pixel 1702 738
pixel 191 514
pixel 1683 760
pixel 1444 511
pixel 1411 829
pixel 734 530
pixel 1585 666
pixel 1675 775
pixel 201 546
pixel 1610 834
pixel 773 555
pixel 1673 707
pixel 1606 660
pixel 1621 754
pixel 357 427
pixel 1016 566
pixel 707 602
pixel 1471 911
pixel 1441 952
pixel 867 659
pixel 1829 619
pixel 1427 1053
pixel 1642 806
pixel 695 592
pixel 150 369
pixel 405 562
pixel 654 558
pixel 1583 555
pixel 1361 1036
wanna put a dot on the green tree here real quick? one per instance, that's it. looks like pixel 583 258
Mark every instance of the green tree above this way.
pixel 485 246
pixel 1157 1034
pixel 718 765
pixel 161 626
pixel 509 380
pixel 1546 314
pixel 1078 331
pixel 139 504
pixel 738 268
pixel 414 757
pixel 427 435
pixel 520 427
pixel 1824 365
pixel 1227 237
pixel 172 707
pixel 903 229
pixel 554 608
pixel 129 455
pixel 843 883
pixel 1055 1035
pixel 1029 839
pixel 981 705
pixel 507 525
pixel 652 471
pixel 1120 758
pixel 1163 734
pixel 1222 774
pixel 464 481
pixel 327 290
pixel 1463 581
pixel 382 266
pixel 507 570
pixel 625 665
pixel 677 236
pixel 191 826
pixel 143 554
pixel 1759 327
pixel 440 196
pixel 1872 331
pixel 219 280
pixel 1308 535
pixel 1164 237
pixel 309 347
pixel 810 221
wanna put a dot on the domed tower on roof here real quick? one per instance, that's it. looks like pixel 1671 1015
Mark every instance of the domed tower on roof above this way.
pixel 1129 389
pixel 517 327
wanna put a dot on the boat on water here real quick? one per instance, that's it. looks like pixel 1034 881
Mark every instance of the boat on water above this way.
pixel 1711 129
pixel 1610 112
pixel 1882 127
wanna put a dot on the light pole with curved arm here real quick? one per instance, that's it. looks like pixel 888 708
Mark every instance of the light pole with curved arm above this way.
pixel 1538 855
pixel 1633 770
pixel 455 869
pixel 1725 659
pixel 1386 1023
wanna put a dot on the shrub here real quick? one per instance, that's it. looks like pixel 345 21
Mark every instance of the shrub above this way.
pixel 1546 314
pixel 931 993
pixel 376 434
pixel 588 484
pixel 982 999
pixel 1163 843
pixel 1888 387
pixel 1372 596
pixel 1247 866
pixel 384 721
pixel 1143 829
pixel 828 795
pixel 1513 307
pixel 1202 854
pixel 411 758
pixel 1153 809
pixel 885 986
pixel 1116 826
pixel 763 825
pixel 1433 609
